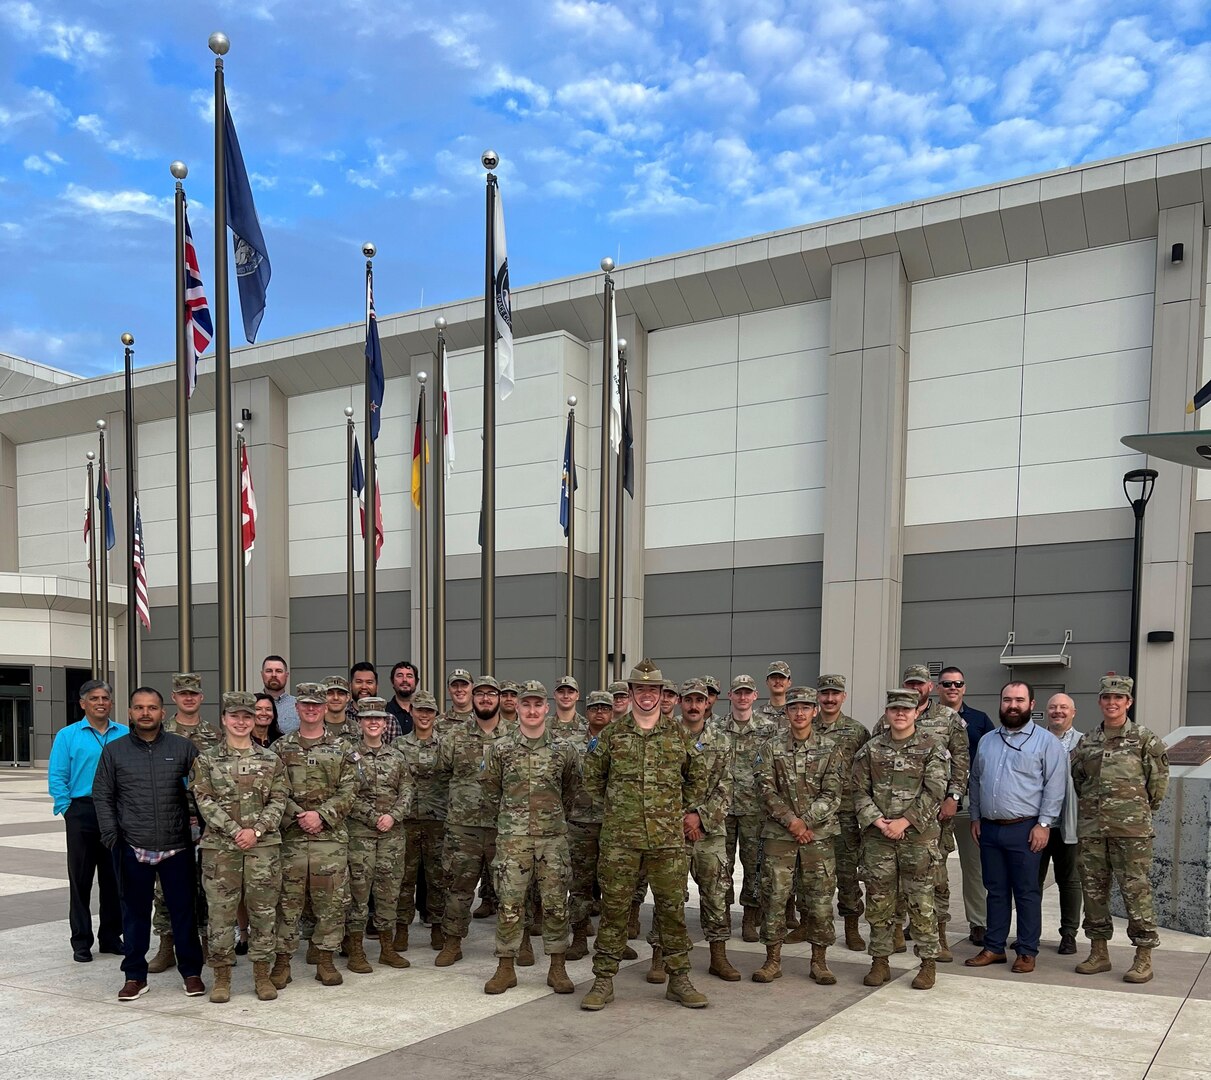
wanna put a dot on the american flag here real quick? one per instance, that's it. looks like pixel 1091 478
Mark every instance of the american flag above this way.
pixel 142 607
pixel 199 329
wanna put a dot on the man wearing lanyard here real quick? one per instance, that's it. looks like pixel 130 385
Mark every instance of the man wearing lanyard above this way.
pixel 1018 781
pixel 73 763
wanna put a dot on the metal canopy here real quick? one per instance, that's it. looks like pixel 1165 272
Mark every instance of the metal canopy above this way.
pixel 1191 448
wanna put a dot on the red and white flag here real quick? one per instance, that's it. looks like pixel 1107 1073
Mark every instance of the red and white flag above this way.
pixel 142 607
pixel 447 423
pixel 358 482
pixel 247 508
pixel 88 522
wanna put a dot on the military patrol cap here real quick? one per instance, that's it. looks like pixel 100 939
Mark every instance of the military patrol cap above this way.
pixel 645 673
pixel 568 680
pixel 310 693
pixel 488 681
pixel 778 667
pixel 916 673
pixel 801 695
pixel 599 697
pixel 693 686
pixel 336 682
pixel 533 688
pixel 422 699
pixel 510 687
pixel 670 685
pixel 371 707
pixel 744 682
pixel 458 675
pixel 831 682
pixel 239 701
pixel 711 683
pixel 619 687
pixel 186 682
pixel 901 698
pixel 1116 684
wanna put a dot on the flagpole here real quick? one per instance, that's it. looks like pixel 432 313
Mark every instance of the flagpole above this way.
pixel 350 632
pixel 224 495
pixel 103 606
pixel 370 567
pixel 487 554
pixel 619 545
pixel 438 674
pixel 422 378
pixel 132 623
pixel 184 539
pixel 241 584
pixel 570 483
pixel 92 567
pixel 603 522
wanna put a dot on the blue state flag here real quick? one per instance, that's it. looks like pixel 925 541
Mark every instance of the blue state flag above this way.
pixel 252 267
pixel 377 381
pixel 107 506
pixel 568 483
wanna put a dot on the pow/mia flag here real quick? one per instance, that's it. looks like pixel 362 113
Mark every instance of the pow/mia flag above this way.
pixel 504 303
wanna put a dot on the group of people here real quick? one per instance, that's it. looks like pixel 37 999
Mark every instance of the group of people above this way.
pixel 336 814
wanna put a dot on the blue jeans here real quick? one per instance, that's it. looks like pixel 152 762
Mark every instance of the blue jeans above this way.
pixel 178 879
pixel 1011 870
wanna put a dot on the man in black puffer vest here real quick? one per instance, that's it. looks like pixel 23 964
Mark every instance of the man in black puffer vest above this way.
pixel 144 810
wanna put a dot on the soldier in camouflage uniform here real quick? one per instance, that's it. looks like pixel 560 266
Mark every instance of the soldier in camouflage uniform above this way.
pixel 799 781
pixel 470 838
pixel 712 697
pixel 900 779
pixel 315 838
pixel 650 779
pixel 778 680
pixel 187 696
pixel 508 700
pixel 670 697
pixel 584 833
pixel 337 720
pixel 376 838
pixel 461 710
pixel 241 793
pixel 746 732
pixel 534 780
pixel 425 825
pixel 620 694
pixel 567 723
pixel 1120 772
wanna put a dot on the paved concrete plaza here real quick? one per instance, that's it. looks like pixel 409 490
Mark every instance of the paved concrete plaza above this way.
pixel 63 1020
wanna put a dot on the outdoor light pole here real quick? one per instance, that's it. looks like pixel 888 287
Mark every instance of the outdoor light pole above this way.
pixel 1146 479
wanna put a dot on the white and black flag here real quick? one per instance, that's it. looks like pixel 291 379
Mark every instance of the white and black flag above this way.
pixel 504 303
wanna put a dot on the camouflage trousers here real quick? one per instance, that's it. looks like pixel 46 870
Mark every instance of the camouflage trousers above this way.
pixel 785 863
pixel 1127 860
pixel 423 845
pixel 618 870
pixel 160 922
pixel 317 870
pixel 707 862
pixel 376 865
pixel 254 876
pixel 941 881
pixel 584 839
pixel 521 862
pixel 744 831
pixel 846 847
pixel 467 853
pixel 893 868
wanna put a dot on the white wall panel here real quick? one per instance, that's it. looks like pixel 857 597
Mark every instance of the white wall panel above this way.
pixel 982 395
pixel 1085 277
pixel 960 497
pixel 784 330
pixel 968 347
pixel 1108 326
pixel 968 298
pixel 1078 434
pixel 1104 379
pixel 699 345
pixel 963 447
pixel 1076 485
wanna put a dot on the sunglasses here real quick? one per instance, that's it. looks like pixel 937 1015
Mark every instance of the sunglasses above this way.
pixel 952 684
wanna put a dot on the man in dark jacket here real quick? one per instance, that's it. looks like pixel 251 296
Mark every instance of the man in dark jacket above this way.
pixel 144 811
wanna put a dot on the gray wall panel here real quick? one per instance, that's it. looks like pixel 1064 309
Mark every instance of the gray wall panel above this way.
pixel 318 644
pixel 959 573
pixel 159 655
pixel 697 592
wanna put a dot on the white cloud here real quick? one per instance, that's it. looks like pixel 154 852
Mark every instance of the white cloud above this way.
pixel 315 190
pixel 43 164
pixel 381 167
pixel 35 104
pixel 765 43
pixel 261 182
pixel 596 20
pixel 117 204
pixel 71 43
pixel 92 125
pixel 654 191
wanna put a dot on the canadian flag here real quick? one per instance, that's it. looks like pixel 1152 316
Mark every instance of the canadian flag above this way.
pixel 247 508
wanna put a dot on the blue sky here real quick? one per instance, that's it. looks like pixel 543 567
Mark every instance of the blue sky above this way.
pixel 628 129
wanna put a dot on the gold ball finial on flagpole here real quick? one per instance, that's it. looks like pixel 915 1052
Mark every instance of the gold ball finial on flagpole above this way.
pixel 607 264
pixel 489 159
pixel 369 250
pixel 179 170
pixel 128 340
pixel 219 43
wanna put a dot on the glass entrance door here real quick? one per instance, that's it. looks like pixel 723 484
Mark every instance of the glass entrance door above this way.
pixel 16 732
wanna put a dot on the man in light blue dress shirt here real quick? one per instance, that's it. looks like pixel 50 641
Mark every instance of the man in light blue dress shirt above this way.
pixel 1019 777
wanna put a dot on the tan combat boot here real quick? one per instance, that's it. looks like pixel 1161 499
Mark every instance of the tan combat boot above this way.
pixel 280 975
pixel 261 982
pixel 748 928
pixel 401 937
pixel 313 953
pixel 356 947
pixel 792 919
pixel 633 922
pixel 525 955
pixel 682 991
pixel 772 968
pixel 436 938
pixel 898 943
pixel 165 957
pixel 945 956
pixel 628 953
pixel 325 970
pixel 220 991
pixel 387 954
pixel 721 967
pixel 486 908
pixel 600 994
pixel 925 976
pixel 656 973
pixel 819 970
pixel 579 948
pixel 504 977
pixel 557 975
pixel 853 936
pixel 1098 959
pixel 452 952
pixel 1141 969
pixel 880 972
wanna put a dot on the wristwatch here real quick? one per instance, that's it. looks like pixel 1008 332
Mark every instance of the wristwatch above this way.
pixel 258 833
pixel 1045 824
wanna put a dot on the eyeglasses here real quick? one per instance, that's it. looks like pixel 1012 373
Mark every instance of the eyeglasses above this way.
pixel 952 684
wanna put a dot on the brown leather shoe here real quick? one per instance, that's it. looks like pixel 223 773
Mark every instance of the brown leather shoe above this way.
pixel 984 958
pixel 194 987
pixel 1023 965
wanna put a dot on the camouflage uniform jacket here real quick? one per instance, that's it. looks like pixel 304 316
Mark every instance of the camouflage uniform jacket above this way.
pixel 322 778
pixel 847 736
pixel 461 757
pixel 649 780
pixel 901 779
pixel 747 741
pixel 575 729
pixel 1120 781
pixel 775 714
pixel 239 789
pixel 451 719
pixel 942 723
pixel 589 810
pixel 202 734
pixel 384 787
pixel 431 787
pixel 534 782
pixel 800 779
pixel 349 730
pixel 713 802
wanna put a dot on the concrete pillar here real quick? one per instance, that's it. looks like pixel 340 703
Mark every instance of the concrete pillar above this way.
pixel 1177 345
pixel 864 502
pixel 9 557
